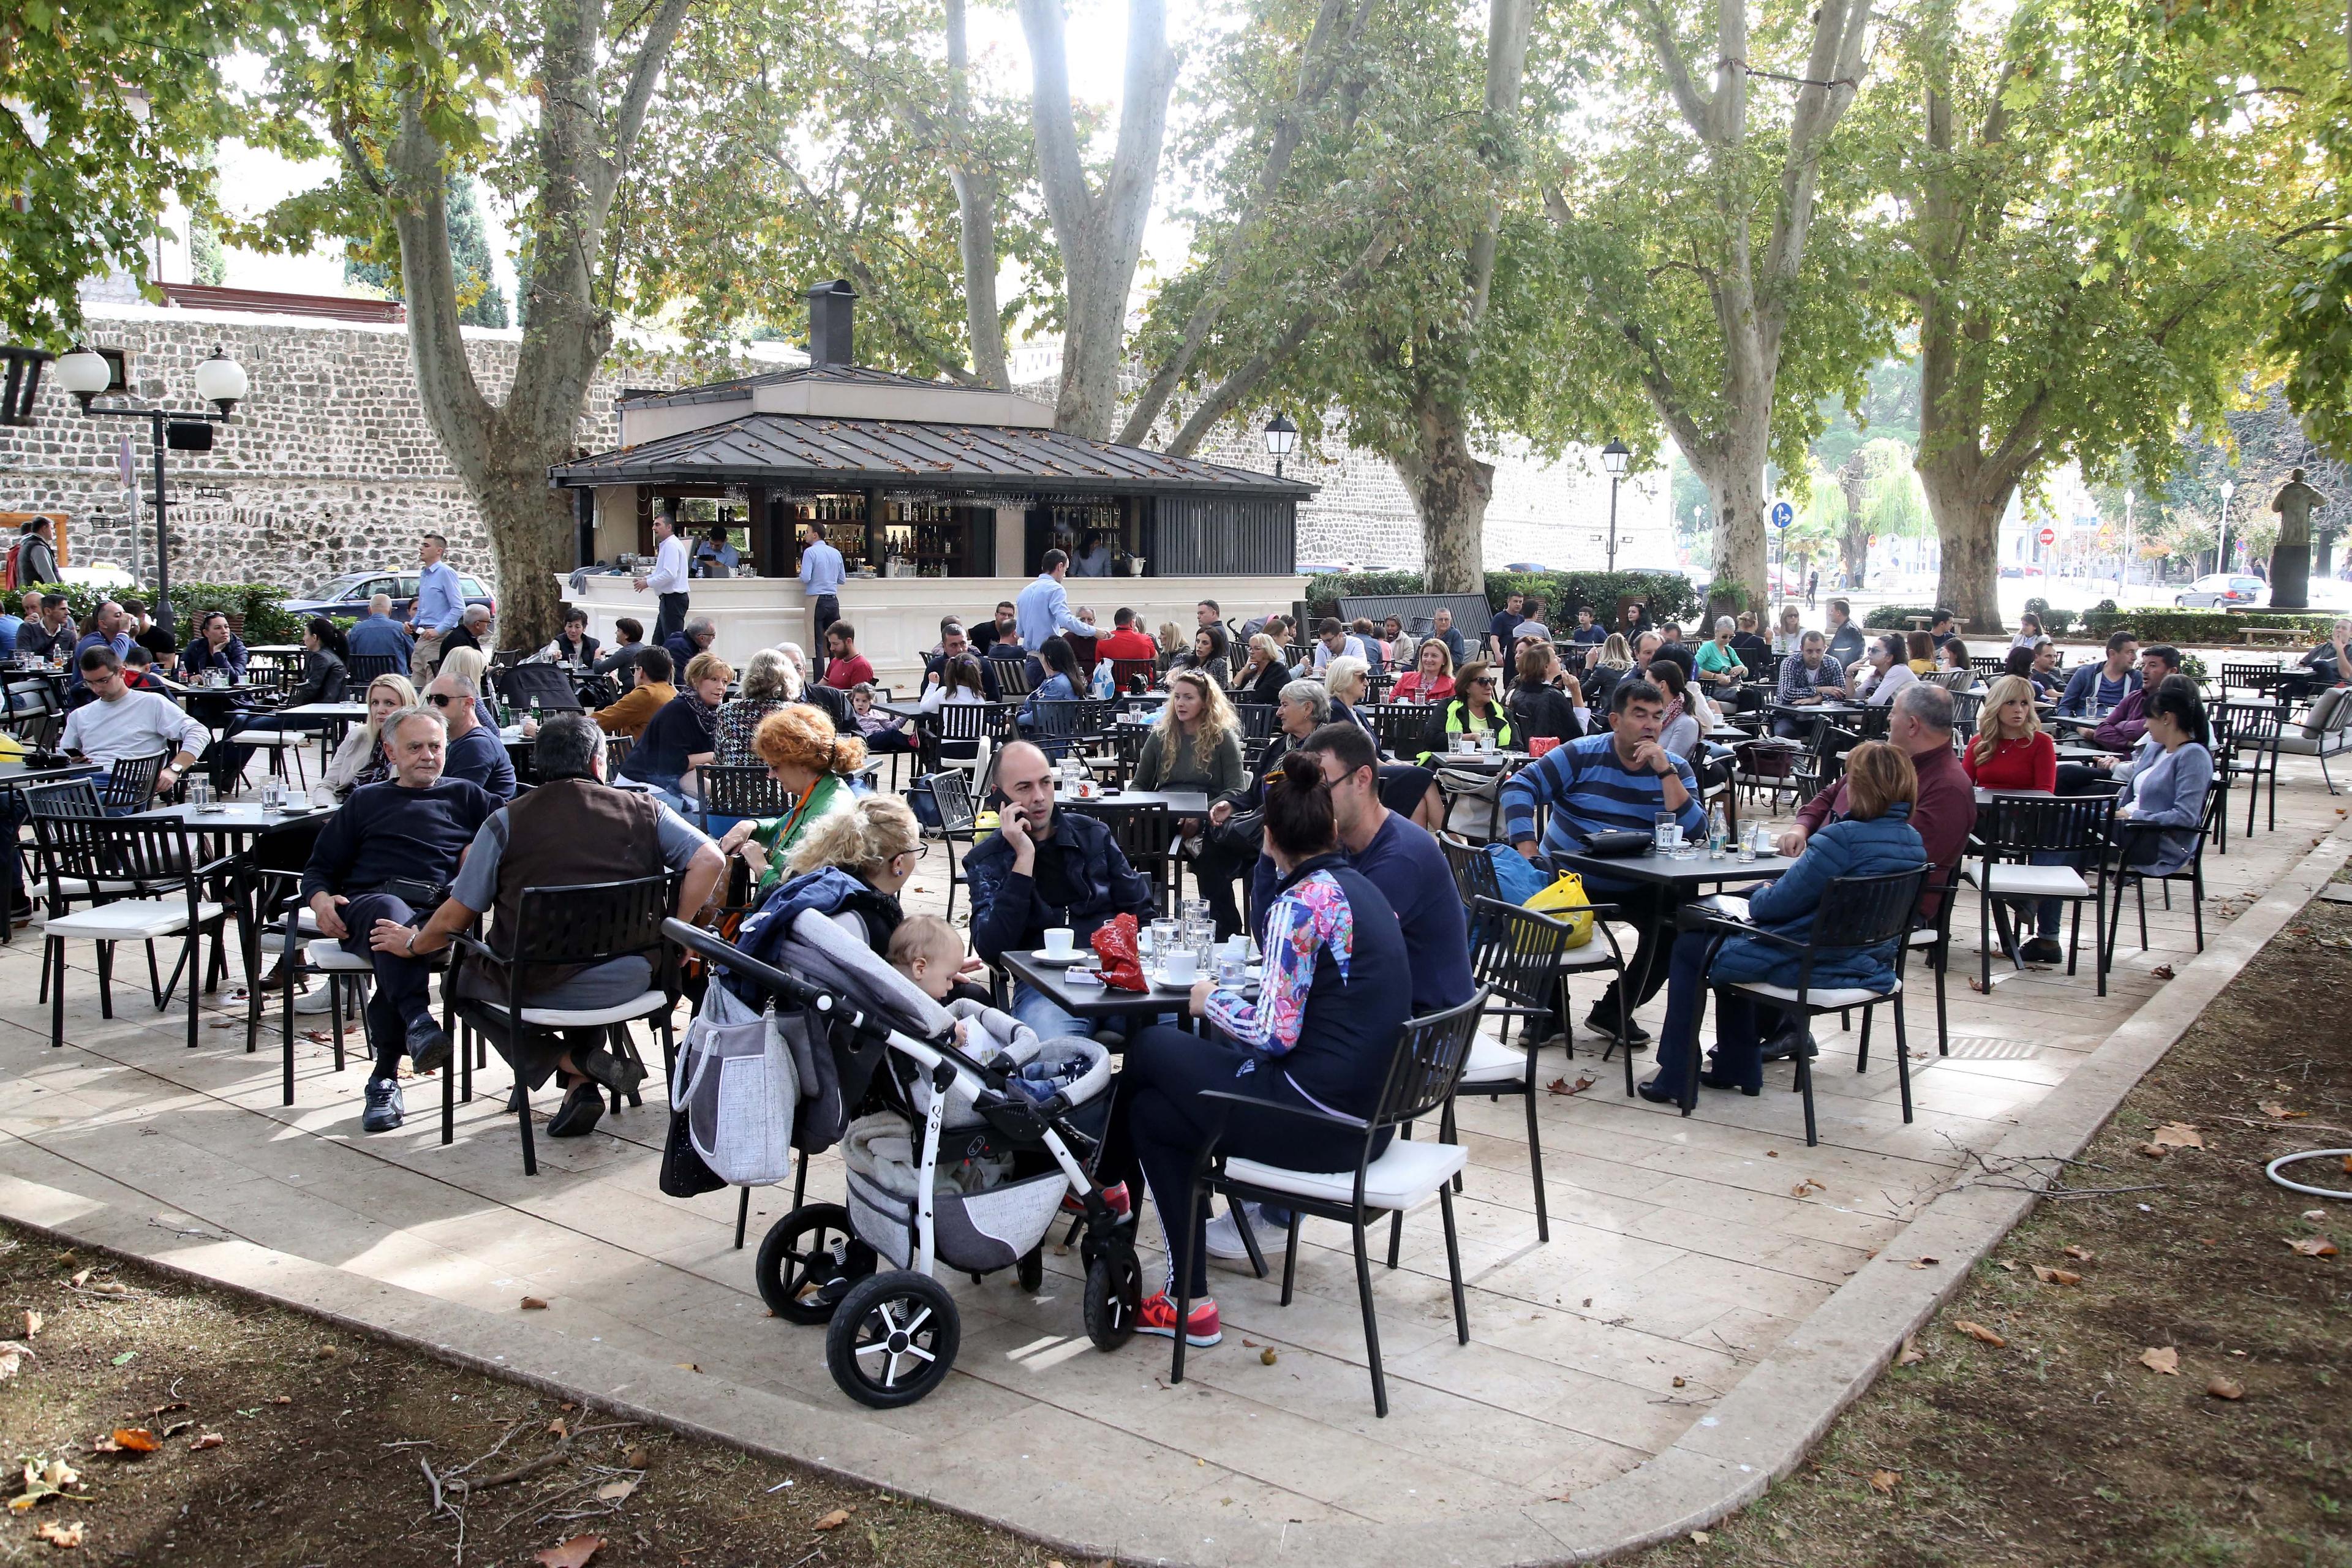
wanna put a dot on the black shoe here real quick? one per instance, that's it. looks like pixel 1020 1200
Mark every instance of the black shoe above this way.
pixel 1717 1080
pixel 1600 1023
pixel 21 913
pixel 1783 1046
pixel 384 1111
pixel 616 1072
pixel 1654 1094
pixel 428 1045
pixel 578 1115
pixel 2041 949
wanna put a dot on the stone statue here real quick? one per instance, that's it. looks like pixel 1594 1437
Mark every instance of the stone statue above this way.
pixel 2291 557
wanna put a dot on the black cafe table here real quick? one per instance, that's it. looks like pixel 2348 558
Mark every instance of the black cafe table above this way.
pixel 1678 880
pixel 16 773
pixel 247 823
pixel 1101 1001
pixel 1181 803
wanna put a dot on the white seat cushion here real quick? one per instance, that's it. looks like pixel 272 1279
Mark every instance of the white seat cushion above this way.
pixel 1491 1062
pixel 270 738
pixel 1399 1179
pixel 2325 745
pixel 2036 882
pixel 1821 997
pixel 79 888
pixel 324 953
pixel 1923 937
pixel 648 1002
pixel 131 920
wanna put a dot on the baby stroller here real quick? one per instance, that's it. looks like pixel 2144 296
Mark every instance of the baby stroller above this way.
pixel 883 1060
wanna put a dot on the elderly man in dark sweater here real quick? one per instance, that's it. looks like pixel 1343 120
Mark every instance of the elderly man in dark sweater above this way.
pixel 390 852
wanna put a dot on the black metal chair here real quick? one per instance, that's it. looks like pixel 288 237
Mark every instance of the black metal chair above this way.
pixel 587 923
pixel 162 884
pixel 131 782
pixel 366 667
pixel 959 822
pixel 546 684
pixel 2193 871
pixel 1012 677
pixel 1988 670
pixel 2247 735
pixel 726 791
pixel 1431 1053
pixel 1933 943
pixel 1523 959
pixel 286 926
pixel 1146 834
pixel 1402 729
pixel 2013 830
pixel 1062 725
pixel 1133 674
pixel 1966 707
pixel 1767 763
pixel 1855 913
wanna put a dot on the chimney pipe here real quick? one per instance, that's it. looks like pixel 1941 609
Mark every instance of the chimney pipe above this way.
pixel 829 309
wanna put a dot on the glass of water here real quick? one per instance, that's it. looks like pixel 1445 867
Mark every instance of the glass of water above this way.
pixel 199 794
pixel 273 794
pixel 1164 936
pixel 1664 823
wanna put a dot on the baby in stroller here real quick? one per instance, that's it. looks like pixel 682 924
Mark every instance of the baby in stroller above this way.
pixel 963 1135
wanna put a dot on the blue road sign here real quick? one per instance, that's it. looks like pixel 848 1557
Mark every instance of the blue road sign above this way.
pixel 1783 514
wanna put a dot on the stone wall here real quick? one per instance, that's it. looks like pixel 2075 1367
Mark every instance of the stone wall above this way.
pixel 330 465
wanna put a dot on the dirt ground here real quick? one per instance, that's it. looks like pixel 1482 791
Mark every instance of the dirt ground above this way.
pixel 2058 1446
pixel 2063 1446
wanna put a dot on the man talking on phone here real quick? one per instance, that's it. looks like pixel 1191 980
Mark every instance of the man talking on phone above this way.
pixel 1040 869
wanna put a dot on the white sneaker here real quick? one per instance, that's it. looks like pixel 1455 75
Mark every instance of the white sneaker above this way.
pixel 1224 1237
pixel 317 999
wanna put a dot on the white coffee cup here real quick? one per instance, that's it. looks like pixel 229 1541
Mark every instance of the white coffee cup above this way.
pixel 1237 945
pixel 1182 966
pixel 1061 942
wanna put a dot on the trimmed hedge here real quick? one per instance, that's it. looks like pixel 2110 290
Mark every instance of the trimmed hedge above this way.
pixel 1669 595
pixel 1894 617
pixel 2209 626
pixel 262 607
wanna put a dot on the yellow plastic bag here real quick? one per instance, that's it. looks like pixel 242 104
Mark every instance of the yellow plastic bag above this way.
pixel 1566 894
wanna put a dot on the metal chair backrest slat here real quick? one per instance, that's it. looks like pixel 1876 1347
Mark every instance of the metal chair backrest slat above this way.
pixel 1012 677
pixel 591 922
pixel 1867 911
pixel 2023 826
pixel 1258 718
pixel 366 667
pixel 740 792
pixel 131 782
pixel 1515 953
pixel 1133 674
pixel 951 789
pixel 1431 1053
pixel 152 857
pixel 1068 719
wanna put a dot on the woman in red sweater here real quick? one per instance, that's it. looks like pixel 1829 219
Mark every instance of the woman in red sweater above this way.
pixel 2010 751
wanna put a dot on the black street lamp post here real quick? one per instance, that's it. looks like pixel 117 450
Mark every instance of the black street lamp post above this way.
pixel 1614 458
pixel 220 381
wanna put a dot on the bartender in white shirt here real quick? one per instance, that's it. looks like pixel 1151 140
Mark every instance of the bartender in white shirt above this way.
pixel 668 576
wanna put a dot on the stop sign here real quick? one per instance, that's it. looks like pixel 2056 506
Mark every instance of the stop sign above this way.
pixel 2048 536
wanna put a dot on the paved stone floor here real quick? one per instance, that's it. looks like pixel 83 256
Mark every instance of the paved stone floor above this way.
pixel 1682 1251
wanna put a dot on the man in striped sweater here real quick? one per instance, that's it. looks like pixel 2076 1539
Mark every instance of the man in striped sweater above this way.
pixel 1604 782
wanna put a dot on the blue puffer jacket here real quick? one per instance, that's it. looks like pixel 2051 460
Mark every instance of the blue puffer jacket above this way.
pixel 828 890
pixel 1844 848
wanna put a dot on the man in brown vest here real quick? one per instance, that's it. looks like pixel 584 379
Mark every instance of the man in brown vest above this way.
pixel 572 829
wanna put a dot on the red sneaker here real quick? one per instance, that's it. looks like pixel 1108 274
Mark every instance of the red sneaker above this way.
pixel 1121 1206
pixel 1157 1316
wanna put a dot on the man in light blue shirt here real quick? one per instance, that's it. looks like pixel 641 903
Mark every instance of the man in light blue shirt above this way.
pixel 821 575
pixel 10 623
pixel 440 603
pixel 715 557
pixel 1043 608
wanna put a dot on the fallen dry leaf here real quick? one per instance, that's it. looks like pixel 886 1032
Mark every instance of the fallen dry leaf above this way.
pixel 1700 1538
pixel 2004 1264
pixel 687 1366
pixel 1679 1382
pixel 2165 1359
pixel 2081 1254
pixel 2315 1216
pixel 835 1519
pixel 2050 1276
pixel 2314 1246
pixel 1925 1262
pixel 559 1428
pixel 59 1474
pixel 1807 1187
pixel 635 1455
pixel 2220 1387
pixel 1910 1354
pixel 2161 972
pixel 615 1491
pixel 533 1304
pixel 206 1440
pixel 134 1439
pixel 80 1278
pixel 62 1536
pixel 12 1357
pixel 167 1409
pixel 1883 1481
pixel 573 1553
pixel 33 1321
pixel 2277 1113
pixel 1979 1334
pixel 2177 1135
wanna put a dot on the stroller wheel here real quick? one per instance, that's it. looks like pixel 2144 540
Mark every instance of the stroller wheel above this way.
pixel 1031 1270
pixel 808 1261
pixel 1114 1295
pixel 893 1340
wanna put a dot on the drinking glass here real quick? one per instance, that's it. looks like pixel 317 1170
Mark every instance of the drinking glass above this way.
pixel 200 795
pixel 1197 910
pixel 273 794
pixel 1664 824
pixel 1164 936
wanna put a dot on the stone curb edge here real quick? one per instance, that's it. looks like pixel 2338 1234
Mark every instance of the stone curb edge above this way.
pixel 1756 1435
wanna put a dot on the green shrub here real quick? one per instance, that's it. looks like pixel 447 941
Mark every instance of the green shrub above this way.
pixel 2209 626
pixel 262 607
pixel 1894 617
pixel 1669 595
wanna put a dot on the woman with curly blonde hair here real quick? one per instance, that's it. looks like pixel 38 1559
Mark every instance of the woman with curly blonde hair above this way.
pixel 815 766
pixel 1196 745
pixel 874 839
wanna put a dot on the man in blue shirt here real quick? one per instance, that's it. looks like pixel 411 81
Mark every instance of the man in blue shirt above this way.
pixel 2099 688
pixel 821 576
pixel 440 604
pixel 476 753
pixel 1043 608
pixel 1589 633
pixel 9 622
pixel 1620 780
pixel 377 636
pixel 714 557
pixel 110 629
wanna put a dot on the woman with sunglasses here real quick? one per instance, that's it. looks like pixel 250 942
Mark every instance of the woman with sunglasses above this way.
pixel 1473 710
